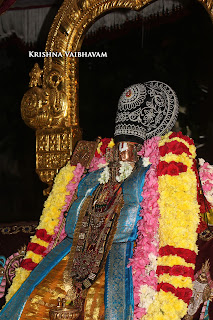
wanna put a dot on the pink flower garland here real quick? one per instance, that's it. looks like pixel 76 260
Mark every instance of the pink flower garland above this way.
pixel 71 187
pixel 96 163
pixel 206 176
pixel 144 261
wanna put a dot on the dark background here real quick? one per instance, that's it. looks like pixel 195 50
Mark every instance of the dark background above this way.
pixel 176 49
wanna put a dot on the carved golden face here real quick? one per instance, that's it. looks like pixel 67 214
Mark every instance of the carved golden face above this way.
pixel 127 151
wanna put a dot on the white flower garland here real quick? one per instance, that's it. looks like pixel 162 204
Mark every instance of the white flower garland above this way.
pixel 104 178
pixel 146 161
pixel 125 171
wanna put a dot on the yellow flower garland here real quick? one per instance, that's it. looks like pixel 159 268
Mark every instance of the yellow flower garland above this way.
pixel 48 221
pixel 172 261
pixel 50 217
pixel 179 218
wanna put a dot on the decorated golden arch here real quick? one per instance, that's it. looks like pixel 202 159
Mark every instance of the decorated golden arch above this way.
pixel 50 106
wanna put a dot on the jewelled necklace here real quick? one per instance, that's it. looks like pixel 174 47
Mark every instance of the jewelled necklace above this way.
pixel 93 236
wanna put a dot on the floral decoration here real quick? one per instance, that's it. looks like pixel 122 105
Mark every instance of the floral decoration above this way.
pixel 206 175
pixel 144 261
pixel 125 170
pixel 37 248
pixel 164 257
pixel 52 216
pixel 105 175
pixel 178 221
pixel 101 149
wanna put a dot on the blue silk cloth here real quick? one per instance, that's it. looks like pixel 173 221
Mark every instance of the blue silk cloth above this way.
pixel 206 315
pixel 119 301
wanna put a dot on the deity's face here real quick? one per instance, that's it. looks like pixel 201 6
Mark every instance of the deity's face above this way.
pixel 127 151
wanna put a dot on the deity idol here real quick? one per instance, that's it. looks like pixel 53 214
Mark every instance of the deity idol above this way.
pixel 128 249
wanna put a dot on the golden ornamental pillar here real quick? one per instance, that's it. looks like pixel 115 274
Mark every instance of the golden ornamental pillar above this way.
pixel 44 108
pixel 50 106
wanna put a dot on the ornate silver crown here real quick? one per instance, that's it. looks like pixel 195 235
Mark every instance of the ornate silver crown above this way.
pixel 145 110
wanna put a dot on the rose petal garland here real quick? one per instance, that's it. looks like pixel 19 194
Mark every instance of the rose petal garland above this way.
pixel 179 218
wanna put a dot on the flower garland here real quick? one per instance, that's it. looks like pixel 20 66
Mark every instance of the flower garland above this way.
pixel 71 187
pixel 206 177
pixel 179 218
pixel 37 248
pixel 201 201
pixel 172 179
pixel 99 160
pixel 102 146
pixel 144 261
pixel 125 170
pixel 52 216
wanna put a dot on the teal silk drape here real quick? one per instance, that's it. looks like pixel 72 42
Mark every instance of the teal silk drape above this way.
pixel 119 300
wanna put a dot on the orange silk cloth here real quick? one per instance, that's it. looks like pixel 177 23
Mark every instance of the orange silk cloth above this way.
pixel 94 303
pixel 45 296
